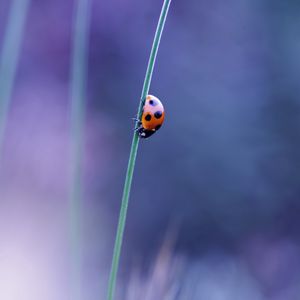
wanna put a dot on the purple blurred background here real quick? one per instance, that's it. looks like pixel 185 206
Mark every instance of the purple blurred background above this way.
pixel 219 184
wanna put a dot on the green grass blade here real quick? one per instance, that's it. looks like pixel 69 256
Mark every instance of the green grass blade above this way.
pixel 78 95
pixel 9 57
pixel 133 153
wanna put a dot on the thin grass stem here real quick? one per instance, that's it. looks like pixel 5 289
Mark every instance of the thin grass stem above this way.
pixel 78 97
pixel 9 58
pixel 133 154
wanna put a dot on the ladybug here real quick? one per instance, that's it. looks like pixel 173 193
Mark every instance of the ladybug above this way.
pixel 153 115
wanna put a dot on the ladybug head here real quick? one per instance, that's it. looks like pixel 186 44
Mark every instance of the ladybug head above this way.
pixel 144 133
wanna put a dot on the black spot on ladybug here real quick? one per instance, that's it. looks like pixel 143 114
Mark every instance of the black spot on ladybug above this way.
pixel 157 127
pixel 153 102
pixel 148 117
pixel 158 114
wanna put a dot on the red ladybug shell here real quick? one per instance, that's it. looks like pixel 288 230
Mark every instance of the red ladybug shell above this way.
pixel 152 117
pixel 153 113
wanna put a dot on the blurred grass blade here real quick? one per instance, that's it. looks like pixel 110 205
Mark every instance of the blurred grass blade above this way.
pixel 78 95
pixel 133 153
pixel 10 56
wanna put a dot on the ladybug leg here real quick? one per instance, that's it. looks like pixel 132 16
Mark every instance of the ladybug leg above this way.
pixel 138 122
pixel 137 128
pixel 136 119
